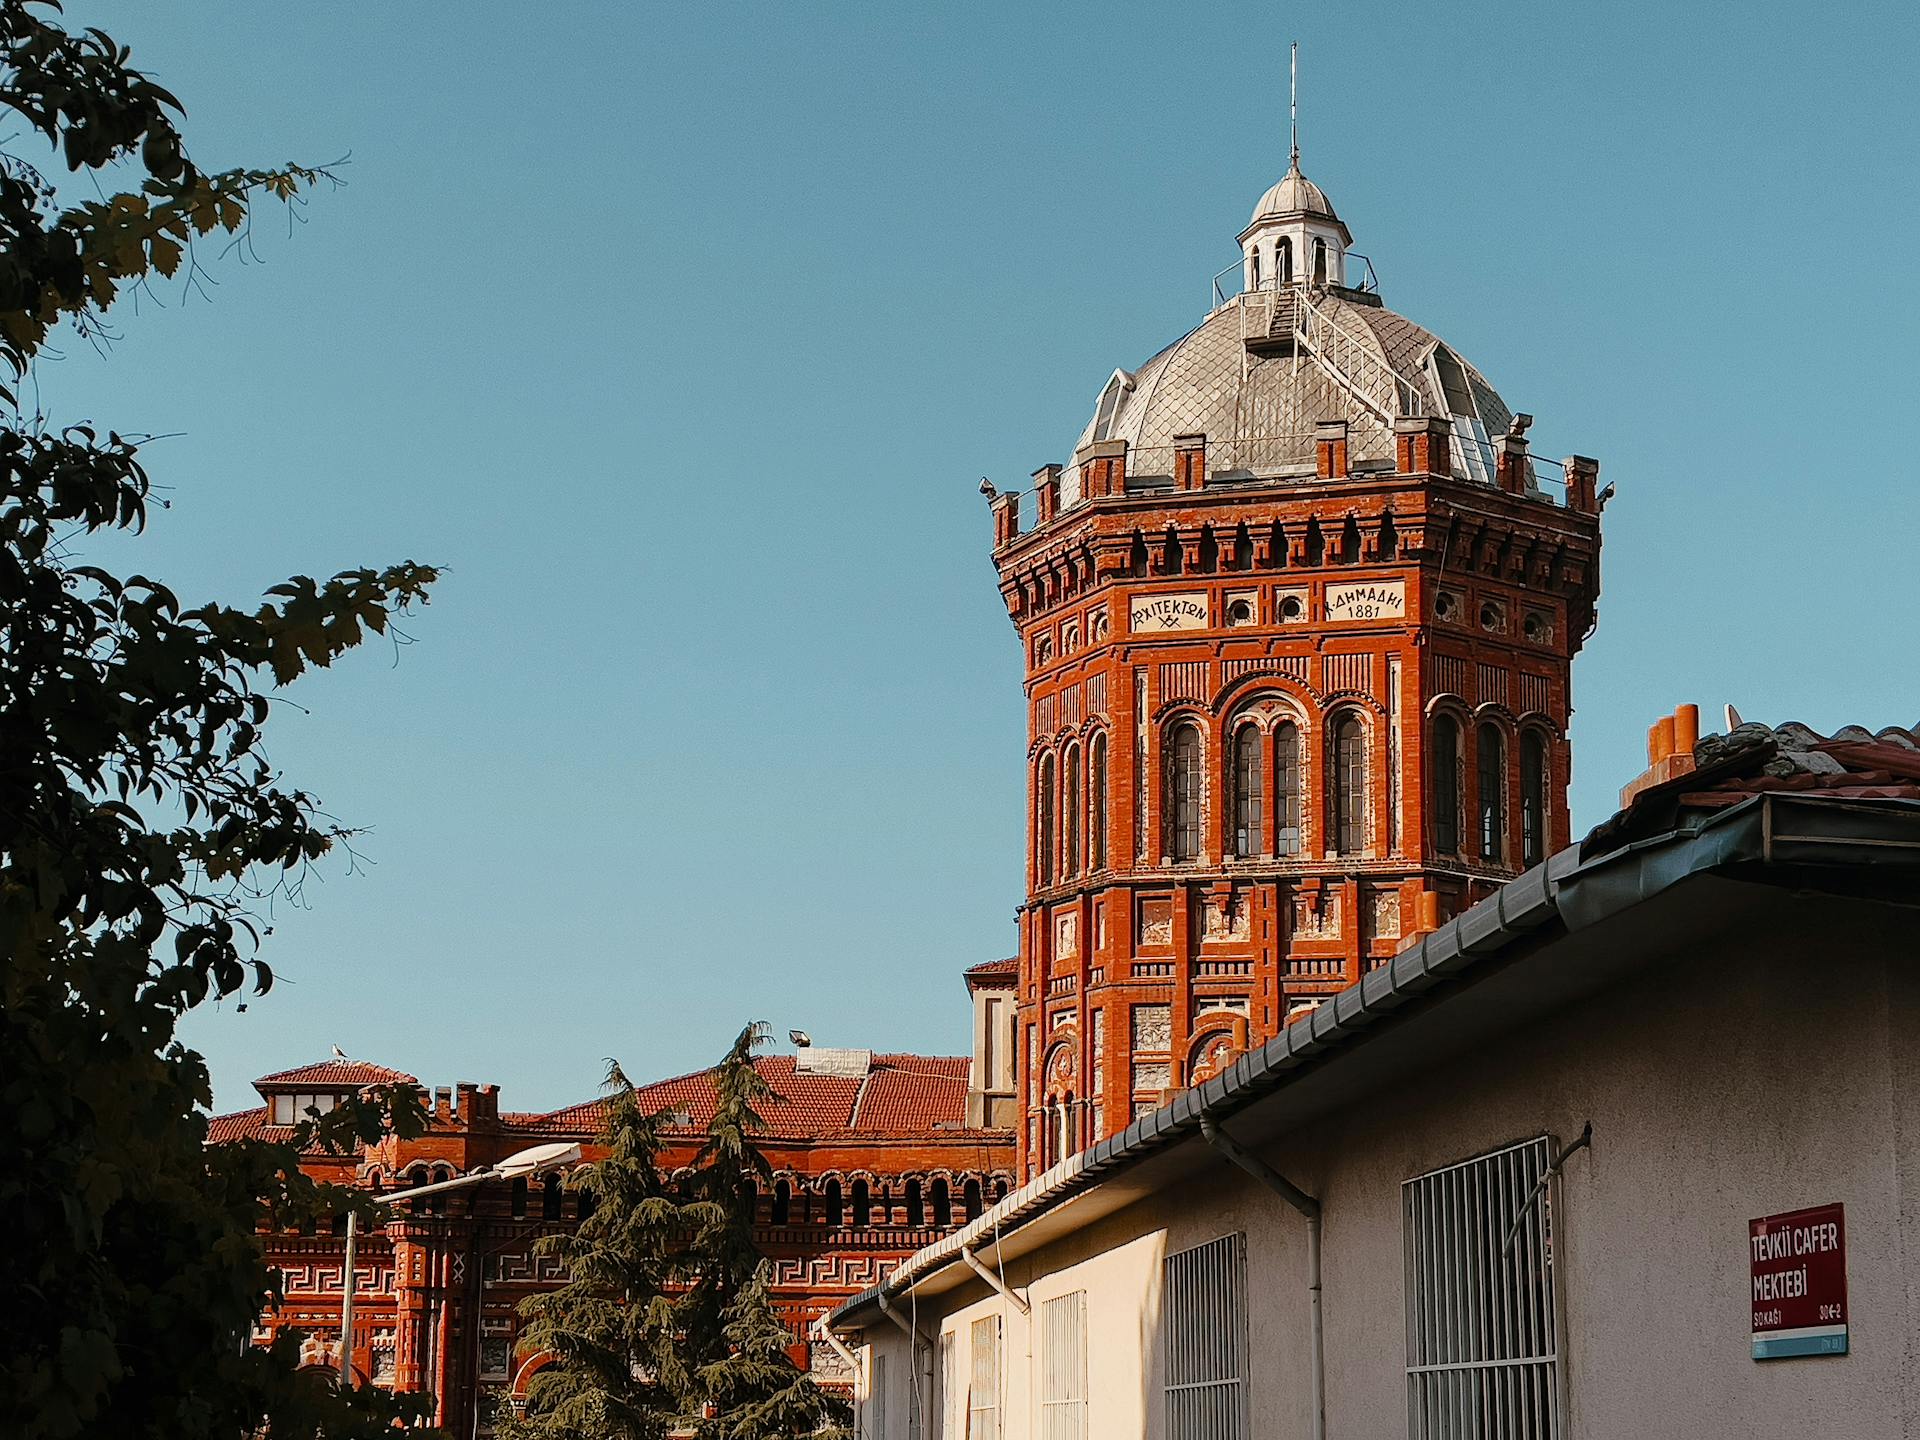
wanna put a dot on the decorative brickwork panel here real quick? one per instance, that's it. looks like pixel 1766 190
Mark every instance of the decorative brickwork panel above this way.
pixel 1097 694
pixel 1152 1027
pixel 1184 680
pixel 1317 922
pixel 1070 705
pixel 1152 1075
pixel 1046 715
pixel 1384 914
pixel 1156 921
pixel 1534 690
pixel 1294 667
pixel 1349 672
pixel 1450 674
pixel 1493 685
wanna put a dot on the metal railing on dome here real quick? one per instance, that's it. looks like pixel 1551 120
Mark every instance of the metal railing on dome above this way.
pixel 1230 283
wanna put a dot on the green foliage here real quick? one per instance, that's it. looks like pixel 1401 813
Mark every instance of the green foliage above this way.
pixel 666 1324
pixel 141 828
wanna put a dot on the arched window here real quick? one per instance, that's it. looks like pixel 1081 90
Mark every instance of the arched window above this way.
pixel 782 1203
pixel 1533 798
pixel 1349 785
pixel 1286 789
pixel 517 1198
pixel 836 1213
pixel 416 1178
pixel 1283 261
pixel 1070 814
pixel 1066 1145
pixel 1097 820
pixel 970 1199
pixel 582 1203
pixel 1319 262
pixel 1256 267
pixel 999 1191
pixel 1044 799
pixel 1493 793
pixel 916 1205
pixel 942 1198
pixel 862 1203
pixel 1446 785
pixel 1249 836
pixel 1183 791
pixel 550 1199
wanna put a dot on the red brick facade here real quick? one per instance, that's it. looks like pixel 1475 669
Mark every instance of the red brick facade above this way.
pixel 868 1167
pixel 1184 644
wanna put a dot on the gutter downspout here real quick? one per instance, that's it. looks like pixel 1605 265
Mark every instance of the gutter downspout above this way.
pixel 836 1344
pixel 1310 1208
pixel 1006 1291
pixel 917 1346
pixel 908 1330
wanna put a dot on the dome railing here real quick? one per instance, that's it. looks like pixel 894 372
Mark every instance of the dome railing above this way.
pixel 1230 284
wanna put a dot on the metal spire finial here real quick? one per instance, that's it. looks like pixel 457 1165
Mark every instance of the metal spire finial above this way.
pixel 1293 102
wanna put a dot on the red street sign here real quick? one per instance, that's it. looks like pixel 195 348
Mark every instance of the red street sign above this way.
pixel 1799 1272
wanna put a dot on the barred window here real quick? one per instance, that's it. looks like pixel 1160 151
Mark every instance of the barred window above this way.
pixel 1446 785
pixel 1097 821
pixel 1286 790
pixel 1043 842
pixel 1349 785
pixel 1492 759
pixel 1204 1314
pixel 1533 798
pixel 1183 791
pixel 1248 836
pixel 1063 1367
pixel 1482 1318
pixel 1070 810
pixel 983 1395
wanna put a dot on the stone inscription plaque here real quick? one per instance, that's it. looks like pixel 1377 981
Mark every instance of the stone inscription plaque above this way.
pixel 1378 600
pixel 1150 614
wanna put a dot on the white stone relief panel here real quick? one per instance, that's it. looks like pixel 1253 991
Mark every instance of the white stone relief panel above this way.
pixel 1374 600
pixel 1152 614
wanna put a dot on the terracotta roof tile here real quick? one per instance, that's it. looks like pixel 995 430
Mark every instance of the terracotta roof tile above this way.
pixel 905 1094
pixel 1008 966
pixel 240 1125
pixel 338 1072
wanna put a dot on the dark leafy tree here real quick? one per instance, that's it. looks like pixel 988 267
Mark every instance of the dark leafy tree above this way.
pixel 617 1369
pixel 746 1386
pixel 143 830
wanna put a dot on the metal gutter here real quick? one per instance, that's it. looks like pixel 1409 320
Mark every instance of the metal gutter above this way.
pixel 1769 829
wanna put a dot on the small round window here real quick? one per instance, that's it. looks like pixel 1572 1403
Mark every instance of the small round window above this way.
pixel 1240 612
pixel 1291 608
pixel 1490 616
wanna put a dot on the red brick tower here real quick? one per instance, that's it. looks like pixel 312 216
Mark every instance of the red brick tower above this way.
pixel 1298 622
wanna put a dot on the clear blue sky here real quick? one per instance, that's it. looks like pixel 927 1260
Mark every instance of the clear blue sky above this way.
pixel 683 335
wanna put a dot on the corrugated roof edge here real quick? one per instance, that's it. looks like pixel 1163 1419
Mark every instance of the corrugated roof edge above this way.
pixel 1521 907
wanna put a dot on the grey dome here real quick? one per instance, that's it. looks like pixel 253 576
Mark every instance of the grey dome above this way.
pixel 1293 195
pixel 1258 405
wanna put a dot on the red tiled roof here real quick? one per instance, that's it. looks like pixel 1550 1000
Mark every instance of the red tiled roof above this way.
pixel 241 1125
pixel 903 1095
pixel 344 1073
pixel 1008 969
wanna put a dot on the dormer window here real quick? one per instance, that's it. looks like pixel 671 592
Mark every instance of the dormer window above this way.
pixel 292 1109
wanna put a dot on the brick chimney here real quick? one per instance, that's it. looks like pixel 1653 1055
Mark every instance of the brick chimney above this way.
pixel 1510 464
pixel 1189 462
pixel 1006 519
pixel 1330 449
pixel 1583 480
pixel 1420 445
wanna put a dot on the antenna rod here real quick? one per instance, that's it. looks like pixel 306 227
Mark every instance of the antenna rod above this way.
pixel 1293 101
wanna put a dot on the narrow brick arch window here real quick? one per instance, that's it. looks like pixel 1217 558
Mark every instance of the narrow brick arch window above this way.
pixel 550 1198
pixel 1249 831
pixel 782 1202
pixel 1097 796
pixel 1286 789
pixel 1043 798
pixel 970 1199
pixel 1070 812
pixel 916 1205
pixel 942 1197
pixel 1533 798
pixel 1446 785
pixel 1493 792
pixel 862 1203
pixel 1349 784
pixel 1183 791
pixel 836 1213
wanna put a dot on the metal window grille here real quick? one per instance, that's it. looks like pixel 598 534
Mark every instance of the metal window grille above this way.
pixel 1286 790
pixel 1533 798
pixel 873 1414
pixel 1483 1326
pixel 1183 784
pixel 1446 785
pixel 1247 831
pixel 1493 793
pixel 1063 1368
pixel 983 1396
pixel 1204 1313
pixel 1350 785
pixel 953 1390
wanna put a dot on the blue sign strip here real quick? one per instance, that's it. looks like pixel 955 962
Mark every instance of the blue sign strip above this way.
pixel 1781 1347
